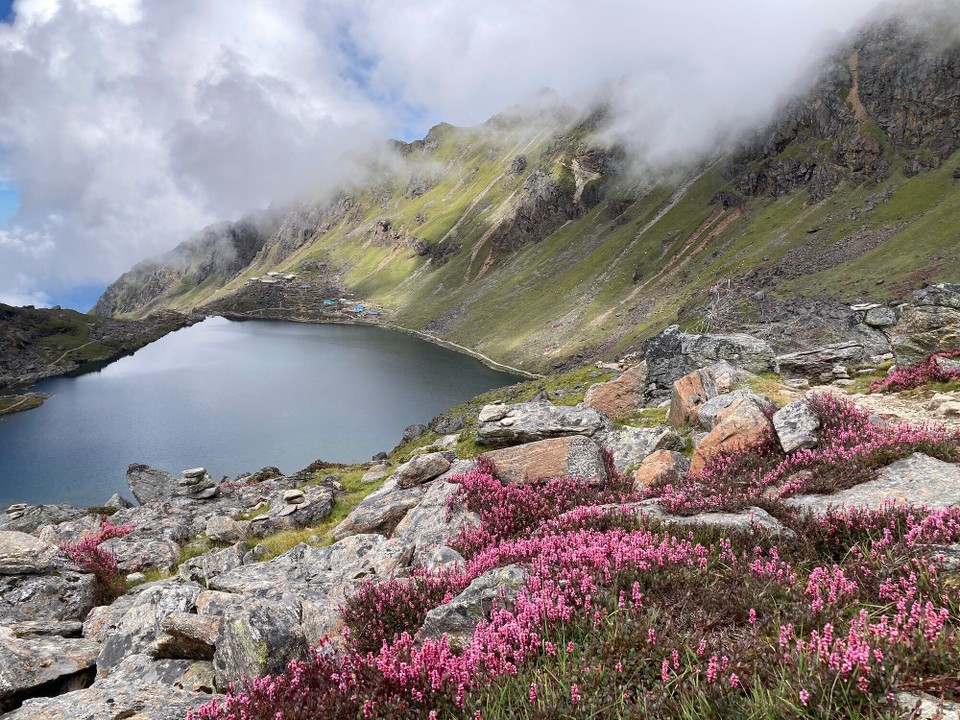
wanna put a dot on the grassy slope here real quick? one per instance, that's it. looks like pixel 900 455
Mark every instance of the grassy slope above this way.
pixel 597 285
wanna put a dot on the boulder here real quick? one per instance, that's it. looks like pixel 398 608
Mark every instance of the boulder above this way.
pixel 65 593
pixel 319 578
pixel 797 426
pixel 631 445
pixel 880 316
pixel 412 432
pixel 915 480
pixel 201 569
pixel 223 529
pixel 22 554
pixel 149 484
pixel 921 706
pixel 501 425
pixel 743 351
pixel 21 517
pixel 421 468
pixel 441 558
pixel 672 354
pixel 380 511
pixel 717 408
pixel 575 456
pixel 434 521
pixel 141 624
pixel 42 664
pixel 660 467
pixel 118 502
pixel 622 396
pixel 924 330
pixel 374 473
pixel 820 363
pixel 749 519
pixel 304 509
pixel 458 618
pixel 156 540
pixel 745 424
pixel 688 394
pixel 140 689
pixel 71 531
pixel 258 637
pixel 186 636
pixel 938 295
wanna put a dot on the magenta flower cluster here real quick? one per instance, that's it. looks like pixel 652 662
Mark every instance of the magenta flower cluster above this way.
pixel 852 448
pixel 88 555
pixel 909 377
pixel 621 617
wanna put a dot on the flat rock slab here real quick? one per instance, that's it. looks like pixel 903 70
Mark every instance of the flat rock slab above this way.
pixel 916 480
pixel 319 569
pixel 576 456
pixel 819 362
pixel 502 425
pixel 28 664
pixel 66 594
pixel 141 689
pixel 748 519
pixel 22 554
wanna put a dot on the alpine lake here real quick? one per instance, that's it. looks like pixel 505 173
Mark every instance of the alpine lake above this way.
pixel 231 396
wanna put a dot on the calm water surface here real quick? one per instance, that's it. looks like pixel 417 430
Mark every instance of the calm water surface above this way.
pixel 233 397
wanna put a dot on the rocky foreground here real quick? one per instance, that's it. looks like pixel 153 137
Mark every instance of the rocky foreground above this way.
pixel 708 468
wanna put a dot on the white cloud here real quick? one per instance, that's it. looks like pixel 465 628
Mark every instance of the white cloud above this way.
pixel 139 121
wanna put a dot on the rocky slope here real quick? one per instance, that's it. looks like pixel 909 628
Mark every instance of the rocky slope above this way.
pixel 239 578
pixel 532 238
pixel 39 342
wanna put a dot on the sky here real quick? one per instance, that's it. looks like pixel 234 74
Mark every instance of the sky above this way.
pixel 128 125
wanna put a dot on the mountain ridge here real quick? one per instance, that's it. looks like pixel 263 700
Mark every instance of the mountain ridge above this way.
pixel 533 241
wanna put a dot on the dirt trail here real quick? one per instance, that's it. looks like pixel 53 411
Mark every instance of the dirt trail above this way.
pixel 940 409
pixel 76 349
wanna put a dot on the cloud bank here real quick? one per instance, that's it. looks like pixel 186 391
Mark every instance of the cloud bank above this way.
pixel 127 125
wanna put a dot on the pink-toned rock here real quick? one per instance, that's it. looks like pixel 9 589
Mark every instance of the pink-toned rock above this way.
pixel 576 456
pixel 743 423
pixel 621 397
pixel 662 466
pixel 689 393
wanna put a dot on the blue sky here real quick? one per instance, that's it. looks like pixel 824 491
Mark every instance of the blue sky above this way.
pixel 9 202
pixel 6 9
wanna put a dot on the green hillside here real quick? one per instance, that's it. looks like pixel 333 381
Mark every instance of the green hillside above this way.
pixel 532 239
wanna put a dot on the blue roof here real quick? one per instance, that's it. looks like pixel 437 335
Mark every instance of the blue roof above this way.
pixel 304 287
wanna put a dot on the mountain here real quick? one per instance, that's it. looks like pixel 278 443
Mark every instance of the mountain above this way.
pixel 536 240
